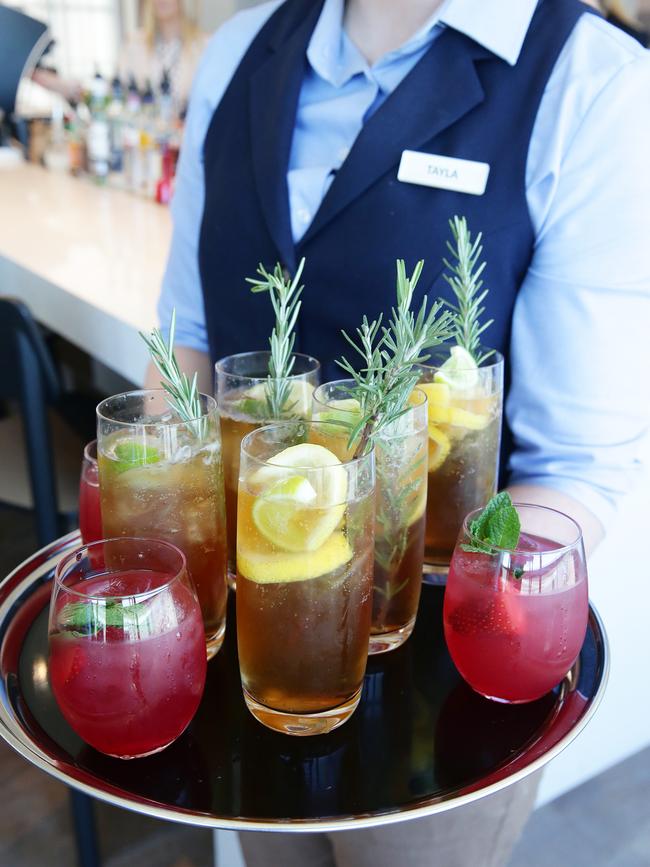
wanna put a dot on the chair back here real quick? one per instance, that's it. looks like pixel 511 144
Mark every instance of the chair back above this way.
pixel 30 378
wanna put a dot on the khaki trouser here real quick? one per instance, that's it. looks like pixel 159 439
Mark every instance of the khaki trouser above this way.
pixel 481 834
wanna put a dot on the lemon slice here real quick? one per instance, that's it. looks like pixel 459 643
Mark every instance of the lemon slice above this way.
pixel 470 420
pixel 268 568
pixel 420 506
pixel 459 372
pixel 439 447
pixel 438 393
pixel 302 497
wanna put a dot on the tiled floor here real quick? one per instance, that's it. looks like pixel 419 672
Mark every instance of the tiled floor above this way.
pixel 605 823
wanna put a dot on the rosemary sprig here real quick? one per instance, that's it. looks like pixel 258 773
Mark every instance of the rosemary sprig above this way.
pixel 388 375
pixel 285 298
pixel 182 393
pixel 466 284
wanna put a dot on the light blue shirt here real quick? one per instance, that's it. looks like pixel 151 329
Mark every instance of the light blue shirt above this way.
pixel 583 313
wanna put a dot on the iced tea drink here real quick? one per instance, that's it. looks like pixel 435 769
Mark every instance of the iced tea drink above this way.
pixel 305 541
pixel 401 459
pixel 465 405
pixel 161 478
pixel 90 516
pixel 241 395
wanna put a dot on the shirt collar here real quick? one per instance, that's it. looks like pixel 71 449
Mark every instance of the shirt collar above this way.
pixel 332 56
pixel 502 32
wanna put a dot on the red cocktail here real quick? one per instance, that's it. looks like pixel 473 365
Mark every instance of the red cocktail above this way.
pixel 90 514
pixel 127 652
pixel 515 620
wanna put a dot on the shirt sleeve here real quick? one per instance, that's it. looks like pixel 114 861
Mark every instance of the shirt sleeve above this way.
pixel 181 286
pixel 579 403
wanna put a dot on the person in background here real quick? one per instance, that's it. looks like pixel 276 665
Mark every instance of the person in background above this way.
pixel 170 42
pixel 632 16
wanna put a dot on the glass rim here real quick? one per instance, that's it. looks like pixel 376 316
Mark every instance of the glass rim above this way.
pixel 92 459
pixel 557 549
pixel 77 553
pixel 341 382
pixel 286 424
pixel 211 410
pixel 496 359
pixel 218 365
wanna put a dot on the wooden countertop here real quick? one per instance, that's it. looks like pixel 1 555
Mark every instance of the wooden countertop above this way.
pixel 88 260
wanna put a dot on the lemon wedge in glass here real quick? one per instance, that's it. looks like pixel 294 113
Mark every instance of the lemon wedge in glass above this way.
pixel 301 499
pixel 439 447
pixel 459 371
pixel 267 567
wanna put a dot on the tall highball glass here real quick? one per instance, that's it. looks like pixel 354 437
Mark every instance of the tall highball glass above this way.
pixel 241 395
pixel 305 542
pixel 401 495
pixel 161 477
pixel 465 409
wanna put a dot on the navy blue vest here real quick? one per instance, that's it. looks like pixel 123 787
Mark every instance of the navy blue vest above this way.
pixel 459 100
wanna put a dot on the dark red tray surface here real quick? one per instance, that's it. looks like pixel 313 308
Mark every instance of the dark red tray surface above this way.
pixel 420 741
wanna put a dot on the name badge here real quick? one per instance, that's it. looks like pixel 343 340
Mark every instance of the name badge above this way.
pixel 445 173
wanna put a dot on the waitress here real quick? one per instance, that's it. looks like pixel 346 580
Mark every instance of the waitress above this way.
pixel 300 115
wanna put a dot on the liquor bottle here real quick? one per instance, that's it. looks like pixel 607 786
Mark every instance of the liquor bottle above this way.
pixel 98 136
pixel 116 125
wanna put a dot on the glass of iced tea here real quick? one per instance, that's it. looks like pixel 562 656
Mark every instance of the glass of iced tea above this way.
pixel 241 388
pixel 515 620
pixel 401 458
pixel 160 477
pixel 90 514
pixel 465 406
pixel 127 657
pixel 305 541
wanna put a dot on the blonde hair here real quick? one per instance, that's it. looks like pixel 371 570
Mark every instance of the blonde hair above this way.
pixel 621 10
pixel 189 27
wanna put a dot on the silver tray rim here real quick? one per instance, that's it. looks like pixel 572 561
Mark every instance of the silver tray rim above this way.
pixel 16 737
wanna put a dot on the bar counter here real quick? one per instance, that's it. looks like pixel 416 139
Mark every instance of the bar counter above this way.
pixel 87 260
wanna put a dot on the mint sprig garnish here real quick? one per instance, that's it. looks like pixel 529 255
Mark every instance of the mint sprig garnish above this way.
pixel 498 526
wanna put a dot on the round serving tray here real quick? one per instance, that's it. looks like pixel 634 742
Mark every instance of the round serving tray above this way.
pixel 419 743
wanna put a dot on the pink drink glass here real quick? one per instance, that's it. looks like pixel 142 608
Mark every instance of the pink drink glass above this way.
pixel 127 653
pixel 515 620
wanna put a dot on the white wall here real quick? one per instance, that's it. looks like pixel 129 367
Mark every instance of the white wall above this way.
pixel 619 579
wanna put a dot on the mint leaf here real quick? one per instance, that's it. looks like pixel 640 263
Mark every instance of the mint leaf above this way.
pixel 89 618
pixel 498 526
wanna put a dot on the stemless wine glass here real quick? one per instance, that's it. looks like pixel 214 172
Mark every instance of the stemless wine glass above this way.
pixel 515 620
pixel 401 495
pixel 160 477
pixel 90 514
pixel 127 655
pixel 465 406
pixel 241 383
pixel 305 539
